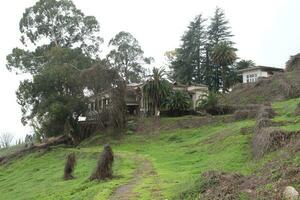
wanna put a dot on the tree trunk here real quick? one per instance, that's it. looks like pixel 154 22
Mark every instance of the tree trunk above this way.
pixel 223 79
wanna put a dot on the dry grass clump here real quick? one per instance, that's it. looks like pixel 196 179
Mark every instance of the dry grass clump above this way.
pixel 293 63
pixel 220 185
pixel 266 111
pixel 248 107
pixel 244 114
pixel 263 118
pixel 262 122
pixel 104 165
pixel 268 139
pixel 69 166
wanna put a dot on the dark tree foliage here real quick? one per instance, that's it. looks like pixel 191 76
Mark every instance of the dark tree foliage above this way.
pixel 224 55
pixel 218 31
pixel 190 57
pixel 69 166
pixel 54 95
pixel 102 78
pixel 178 102
pixel 244 64
pixel 61 41
pixel 155 90
pixel 60 23
pixel 104 165
pixel 194 62
pixel 127 57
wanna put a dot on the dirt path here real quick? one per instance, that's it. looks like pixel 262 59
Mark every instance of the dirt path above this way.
pixel 144 169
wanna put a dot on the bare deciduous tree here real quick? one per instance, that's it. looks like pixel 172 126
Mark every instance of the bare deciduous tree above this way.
pixel 5 139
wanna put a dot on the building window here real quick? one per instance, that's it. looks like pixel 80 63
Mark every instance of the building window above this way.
pixel 251 78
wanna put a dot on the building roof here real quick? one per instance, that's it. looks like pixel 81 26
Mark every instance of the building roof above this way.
pixel 263 68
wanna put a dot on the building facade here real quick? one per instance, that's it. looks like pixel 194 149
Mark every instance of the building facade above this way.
pixel 135 102
pixel 252 74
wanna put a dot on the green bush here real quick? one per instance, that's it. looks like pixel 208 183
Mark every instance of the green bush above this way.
pixel 208 101
pixel 178 102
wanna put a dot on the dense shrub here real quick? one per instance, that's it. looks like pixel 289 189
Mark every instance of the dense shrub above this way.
pixel 244 114
pixel 208 101
pixel 177 103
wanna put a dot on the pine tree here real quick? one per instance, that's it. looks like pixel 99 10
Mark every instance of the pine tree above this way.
pixel 218 31
pixel 188 65
pixel 194 59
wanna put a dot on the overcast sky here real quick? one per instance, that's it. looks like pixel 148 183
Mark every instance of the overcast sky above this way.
pixel 266 31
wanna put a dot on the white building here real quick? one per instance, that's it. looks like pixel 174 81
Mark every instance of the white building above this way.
pixel 252 74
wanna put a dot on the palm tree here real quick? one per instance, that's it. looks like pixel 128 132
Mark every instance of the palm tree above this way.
pixel 156 89
pixel 244 64
pixel 224 55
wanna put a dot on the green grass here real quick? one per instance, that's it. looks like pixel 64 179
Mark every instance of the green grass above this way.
pixel 285 113
pixel 179 157
pixel 39 176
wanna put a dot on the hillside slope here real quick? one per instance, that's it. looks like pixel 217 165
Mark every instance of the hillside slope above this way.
pixel 173 159
pixel 278 87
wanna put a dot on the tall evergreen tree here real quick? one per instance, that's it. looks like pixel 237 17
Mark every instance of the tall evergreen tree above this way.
pixel 218 31
pixel 188 65
pixel 194 59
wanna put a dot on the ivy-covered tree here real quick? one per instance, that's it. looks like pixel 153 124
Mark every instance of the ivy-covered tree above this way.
pixel 190 57
pixel 127 57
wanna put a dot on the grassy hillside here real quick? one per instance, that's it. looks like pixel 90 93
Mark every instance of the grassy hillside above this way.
pixel 275 88
pixel 176 159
